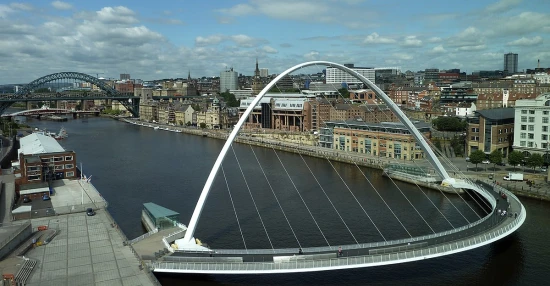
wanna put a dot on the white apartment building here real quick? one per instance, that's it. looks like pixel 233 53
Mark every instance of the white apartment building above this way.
pixel 229 80
pixel 264 72
pixel 532 125
pixel 336 76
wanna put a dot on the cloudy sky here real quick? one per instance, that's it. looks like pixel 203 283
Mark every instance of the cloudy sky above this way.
pixel 167 38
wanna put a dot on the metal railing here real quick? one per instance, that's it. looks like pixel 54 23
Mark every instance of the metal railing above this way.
pixel 432 251
pixel 143 236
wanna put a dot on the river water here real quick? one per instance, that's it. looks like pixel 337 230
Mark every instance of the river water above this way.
pixel 132 165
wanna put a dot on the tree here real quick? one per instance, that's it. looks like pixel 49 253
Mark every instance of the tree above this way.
pixel 515 158
pixel 230 99
pixel 477 157
pixel 202 125
pixel 449 124
pixel 180 123
pixel 535 160
pixel 495 157
pixel 344 93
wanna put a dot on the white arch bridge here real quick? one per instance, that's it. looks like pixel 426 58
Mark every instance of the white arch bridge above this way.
pixel 192 258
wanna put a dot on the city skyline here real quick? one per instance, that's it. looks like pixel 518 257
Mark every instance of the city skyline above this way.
pixel 107 39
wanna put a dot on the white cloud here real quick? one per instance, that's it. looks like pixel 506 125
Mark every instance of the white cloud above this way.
pixel 520 24
pixel 411 41
pixel 239 10
pixel 62 5
pixel 403 56
pixel 269 50
pixel 438 50
pixel 537 40
pixel 5 10
pixel 469 37
pixel 502 5
pixel 21 6
pixel 312 56
pixel 209 40
pixel 119 14
pixel 434 40
pixel 374 38
pixel 473 48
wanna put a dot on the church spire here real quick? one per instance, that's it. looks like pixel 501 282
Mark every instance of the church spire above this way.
pixel 189 76
pixel 257 69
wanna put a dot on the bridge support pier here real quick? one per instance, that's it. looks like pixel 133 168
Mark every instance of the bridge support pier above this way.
pixel 29 105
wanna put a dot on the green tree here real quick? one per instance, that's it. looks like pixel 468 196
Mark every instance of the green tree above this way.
pixel 230 99
pixel 477 157
pixel 449 124
pixel 344 93
pixel 180 123
pixel 495 157
pixel 515 158
pixel 188 123
pixel 535 160
pixel 202 125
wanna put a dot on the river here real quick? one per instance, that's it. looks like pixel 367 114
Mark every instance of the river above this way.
pixel 132 165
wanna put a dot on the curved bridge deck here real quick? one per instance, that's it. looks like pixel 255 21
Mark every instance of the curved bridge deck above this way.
pixel 479 233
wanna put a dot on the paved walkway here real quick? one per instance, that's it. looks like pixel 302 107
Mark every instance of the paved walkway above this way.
pixel 87 251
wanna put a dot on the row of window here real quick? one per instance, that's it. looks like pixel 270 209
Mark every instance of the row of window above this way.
pixel 56 159
pixel 543 137
pixel 532 128
pixel 57 167
pixel 524 111
pixel 38 177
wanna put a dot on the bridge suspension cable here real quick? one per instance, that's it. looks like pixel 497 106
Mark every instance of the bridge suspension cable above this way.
pixel 233 206
pixel 274 195
pixel 252 197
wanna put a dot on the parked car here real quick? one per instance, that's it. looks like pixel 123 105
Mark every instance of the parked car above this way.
pixel 501 164
pixel 26 199
pixel 46 197
pixel 467 159
pixel 543 169
pixel 90 212
pixel 485 161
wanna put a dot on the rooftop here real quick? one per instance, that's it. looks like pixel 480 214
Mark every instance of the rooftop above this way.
pixel 497 113
pixel 39 144
pixel 158 211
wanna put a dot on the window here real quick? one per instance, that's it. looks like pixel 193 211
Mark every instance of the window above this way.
pixel 531 136
pixel 523 127
pixel 522 136
pixel 524 112
pixel 46 160
pixel 58 167
pixel 33 178
pixel 68 158
pixel 545 112
pixel 531 112
pixel 544 137
pixel 69 174
pixel 69 166
pixel 545 120
pixel 531 119
pixel 500 131
pixel 522 143
pixel 544 128
pixel 57 159
pixel 32 168
pixel 531 127
pixel 524 119
pixel 529 144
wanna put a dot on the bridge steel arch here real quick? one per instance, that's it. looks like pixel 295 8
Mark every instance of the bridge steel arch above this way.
pixel 66 75
pixel 189 239
pixel 132 106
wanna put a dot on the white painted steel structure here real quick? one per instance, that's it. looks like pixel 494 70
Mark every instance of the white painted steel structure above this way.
pixel 188 242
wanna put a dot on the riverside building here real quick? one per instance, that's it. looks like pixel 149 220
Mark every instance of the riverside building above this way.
pixel 386 139
pixel 532 126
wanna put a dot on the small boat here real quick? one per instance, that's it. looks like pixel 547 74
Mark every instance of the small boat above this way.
pixel 156 128
pixel 61 135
